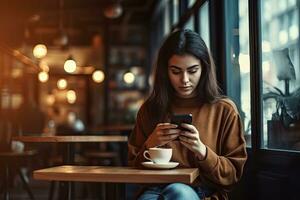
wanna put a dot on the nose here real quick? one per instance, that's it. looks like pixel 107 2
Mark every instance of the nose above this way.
pixel 185 78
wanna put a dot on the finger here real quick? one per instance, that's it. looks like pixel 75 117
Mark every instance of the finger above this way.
pixel 185 144
pixel 166 126
pixel 168 137
pixel 171 131
pixel 187 140
pixel 168 132
pixel 189 127
pixel 189 135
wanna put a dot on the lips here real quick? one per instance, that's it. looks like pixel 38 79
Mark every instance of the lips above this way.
pixel 185 88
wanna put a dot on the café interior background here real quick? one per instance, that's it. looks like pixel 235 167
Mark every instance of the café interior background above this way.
pixel 78 65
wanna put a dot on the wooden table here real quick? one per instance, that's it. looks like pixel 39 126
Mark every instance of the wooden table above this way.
pixel 108 174
pixel 70 140
pixel 116 174
pixel 68 154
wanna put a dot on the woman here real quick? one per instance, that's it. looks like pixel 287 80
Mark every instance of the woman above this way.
pixel 185 82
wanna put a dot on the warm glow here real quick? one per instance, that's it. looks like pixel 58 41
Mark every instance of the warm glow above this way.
pixel 98 76
pixel 283 37
pixel 50 99
pixel 62 83
pixel 294 32
pixel 39 51
pixel 244 62
pixel 70 66
pixel 43 77
pixel 71 96
pixel 266 67
pixel 44 66
pixel 266 46
pixel 129 77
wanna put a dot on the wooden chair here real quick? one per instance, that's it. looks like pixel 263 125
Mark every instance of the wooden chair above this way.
pixel 11 160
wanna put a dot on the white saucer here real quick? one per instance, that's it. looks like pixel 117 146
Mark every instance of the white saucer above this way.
pixel 168 165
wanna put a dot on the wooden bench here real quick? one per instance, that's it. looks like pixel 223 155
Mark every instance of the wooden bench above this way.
pixel 109 174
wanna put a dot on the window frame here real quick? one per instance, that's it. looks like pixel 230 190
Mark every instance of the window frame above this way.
pixel 218 48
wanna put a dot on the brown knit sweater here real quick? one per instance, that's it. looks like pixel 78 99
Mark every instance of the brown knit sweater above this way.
pixel 220 129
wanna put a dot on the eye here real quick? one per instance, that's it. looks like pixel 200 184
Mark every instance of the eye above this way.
pixel 175 72
pixel 192 71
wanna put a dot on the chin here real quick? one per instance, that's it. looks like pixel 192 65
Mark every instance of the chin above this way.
pixel 185 95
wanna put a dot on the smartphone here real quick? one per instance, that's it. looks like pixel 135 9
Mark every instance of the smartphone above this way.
pixel 179 119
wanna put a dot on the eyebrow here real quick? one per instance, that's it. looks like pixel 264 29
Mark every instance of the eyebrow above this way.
pixel 190 67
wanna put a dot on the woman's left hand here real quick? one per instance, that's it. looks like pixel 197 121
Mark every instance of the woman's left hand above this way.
pixel 191 139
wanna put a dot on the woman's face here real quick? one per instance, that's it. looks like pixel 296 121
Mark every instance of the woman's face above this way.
pixel 184 73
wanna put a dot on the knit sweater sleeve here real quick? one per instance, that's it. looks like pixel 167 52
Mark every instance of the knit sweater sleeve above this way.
pixel 225 169
pixel 137 139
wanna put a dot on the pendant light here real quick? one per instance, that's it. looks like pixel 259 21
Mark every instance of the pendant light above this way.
pixel 129 77
pixel 98 76
pixel 70 65
pixel 39 51
pixel 43 76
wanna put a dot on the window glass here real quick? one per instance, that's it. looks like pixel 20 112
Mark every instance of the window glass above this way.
pixel 191 3
pixel 238 60
pixel 204 23
pixel 190 23
pixel 175 11
pixel 167 25
pixel 280 74
pixel 244 66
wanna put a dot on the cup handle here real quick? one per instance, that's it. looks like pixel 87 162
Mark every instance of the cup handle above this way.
pixel 146 155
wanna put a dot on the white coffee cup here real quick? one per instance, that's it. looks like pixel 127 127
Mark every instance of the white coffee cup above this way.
pixel 158 155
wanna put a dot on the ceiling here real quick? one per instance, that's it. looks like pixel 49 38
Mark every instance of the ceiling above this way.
pixel 33 21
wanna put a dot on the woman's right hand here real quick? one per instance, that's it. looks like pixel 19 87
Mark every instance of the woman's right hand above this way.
pixel 162 134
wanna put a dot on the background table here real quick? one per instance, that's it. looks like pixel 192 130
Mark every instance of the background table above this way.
pixel 70 140
pixel 68 154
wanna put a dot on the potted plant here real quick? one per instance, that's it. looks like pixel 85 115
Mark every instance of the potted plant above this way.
pixel 284 127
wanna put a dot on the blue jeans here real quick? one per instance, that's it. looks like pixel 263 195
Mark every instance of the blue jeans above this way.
pixel 174 191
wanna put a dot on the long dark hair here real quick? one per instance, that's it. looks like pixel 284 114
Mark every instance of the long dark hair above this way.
pixel 178 43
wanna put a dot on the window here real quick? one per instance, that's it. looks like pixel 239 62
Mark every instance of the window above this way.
pixel 191 3
pixel 238 60
pixel 190 23
pixel 280 74
pixel 204 23
pixel 175 11
pixel 167 25
pixel 244 67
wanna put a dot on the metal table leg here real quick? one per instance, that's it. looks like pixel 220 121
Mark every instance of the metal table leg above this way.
pixel 6 182
pixel 27 188
pixel 66 189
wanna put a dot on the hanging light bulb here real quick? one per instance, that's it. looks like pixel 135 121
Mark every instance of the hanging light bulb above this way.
pixel 98 76
pixel 129 77
pixel 43 77
pixel 39 51
pixel 70 65
pixel 71 96
pixel 62 83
